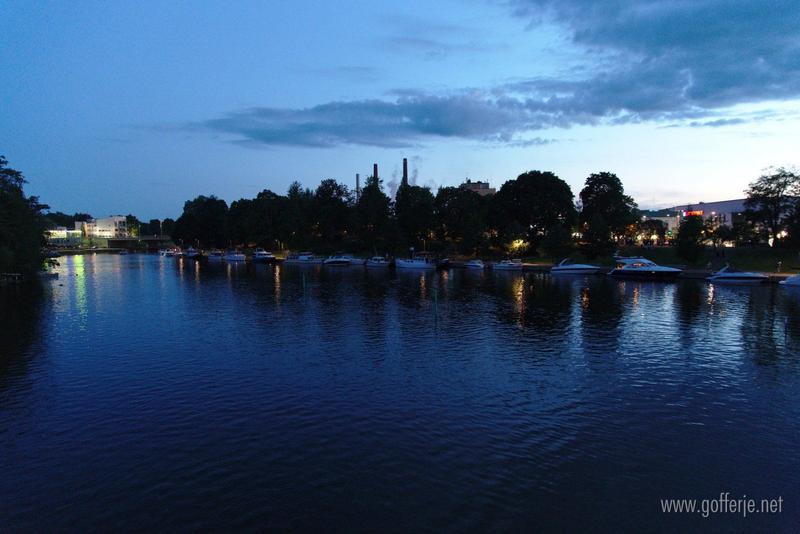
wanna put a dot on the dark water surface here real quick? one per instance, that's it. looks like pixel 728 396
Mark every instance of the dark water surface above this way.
pixel 140 392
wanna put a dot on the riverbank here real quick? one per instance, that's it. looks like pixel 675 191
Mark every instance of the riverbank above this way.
pixel 760 259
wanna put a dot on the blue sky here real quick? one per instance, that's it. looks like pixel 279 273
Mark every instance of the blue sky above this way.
pixel 115 107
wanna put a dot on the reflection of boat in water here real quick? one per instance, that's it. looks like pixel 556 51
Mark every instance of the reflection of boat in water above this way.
pixel 729 275
pixel 302 258
pixel 234 255
pixel 262 256
pixel 508 265
pixel 216 255
pixel 420 261
pixel 475 264
pixel 567 267
pixel 792 281
pixel 642 268
pixel 378 261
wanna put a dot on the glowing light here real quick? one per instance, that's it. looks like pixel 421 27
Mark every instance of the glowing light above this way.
pixel 518 245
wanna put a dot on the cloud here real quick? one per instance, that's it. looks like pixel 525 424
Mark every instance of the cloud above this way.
pixel 675 56
pixel 402 122
pixel 675 62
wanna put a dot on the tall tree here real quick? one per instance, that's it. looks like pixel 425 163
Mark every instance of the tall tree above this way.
pixel 133 225
pixel 691 235
pixel 531 206
pixel 154 227
pixel 461 217
pixel 332 216
pixel 204 221
pixel 604 196
pixel 168 227
pixel 771 198
pixel 373 215
pixel 22 224
pixel 296 225
pixel 413 208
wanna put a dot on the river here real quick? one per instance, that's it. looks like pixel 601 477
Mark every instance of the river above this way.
pixel 140 392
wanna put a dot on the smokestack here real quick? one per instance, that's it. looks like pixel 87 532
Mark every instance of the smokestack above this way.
pixel 405 172
pixel 358 187
pixel 374 170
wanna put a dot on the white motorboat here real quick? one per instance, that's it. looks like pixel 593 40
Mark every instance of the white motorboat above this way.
pixel 123 251
pixel 191 253
pixel 508 265
pixel 167 252
pixel 475 264
pixel 302 258
pixel 216 255
pixel 567 267
pixel 417 262
pixel 234 255
pixel 729 275
pixel 338 259
pixel 262 256
pixel 378 261
pixel 358 261
pixel 792 281
pixel 642 268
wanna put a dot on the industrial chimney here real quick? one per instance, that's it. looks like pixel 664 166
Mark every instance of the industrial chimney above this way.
pixel 405 172
pixel 374 170
pixel 358 187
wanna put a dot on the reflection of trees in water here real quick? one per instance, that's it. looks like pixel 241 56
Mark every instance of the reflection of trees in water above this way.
pixel 761 326
pixel 20 327
pixel 537 303
pixel 690 300
pixel 602 309
pixel 790 307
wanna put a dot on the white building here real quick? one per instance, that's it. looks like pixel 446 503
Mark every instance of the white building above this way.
pixel 114 226
pixel 721 213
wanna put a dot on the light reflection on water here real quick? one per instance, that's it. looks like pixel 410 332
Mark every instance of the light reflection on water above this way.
pixel 145 392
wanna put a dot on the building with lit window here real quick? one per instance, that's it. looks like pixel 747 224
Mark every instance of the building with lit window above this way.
pixel 63 236
pixel 719 213
pixel 115 226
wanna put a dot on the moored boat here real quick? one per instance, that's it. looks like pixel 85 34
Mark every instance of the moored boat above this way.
pixel 302 258
pixel 567 267
pixel 262 256
pixel 216 255
pixel 167 252
pixel 338 259
pixel 378 261
pixel 642 268
pixel 792 281
pixel 419 261
pixel 475 264
pixel 730 275
pixel 191 253
pixel 234 255
pixel 508 265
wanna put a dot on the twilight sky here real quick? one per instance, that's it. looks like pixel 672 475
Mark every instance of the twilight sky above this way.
pixel 134 107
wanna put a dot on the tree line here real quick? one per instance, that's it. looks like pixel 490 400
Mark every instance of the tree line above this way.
pixel 534 212
pixel 22 224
